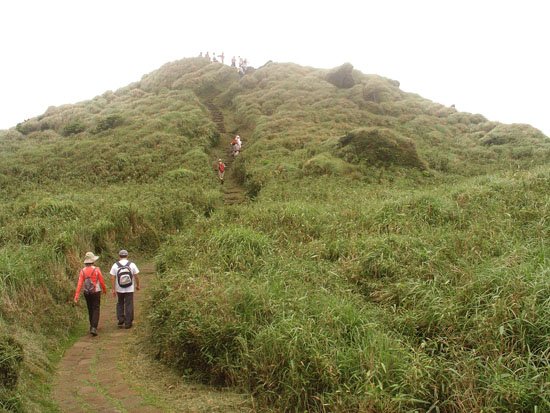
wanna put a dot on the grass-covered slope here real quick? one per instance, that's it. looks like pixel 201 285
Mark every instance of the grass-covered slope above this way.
pixel 331 294
pixel 393 258
pixel 124 169
pixel 298 117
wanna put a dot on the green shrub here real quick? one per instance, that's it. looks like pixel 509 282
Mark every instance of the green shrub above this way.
pixel 378 146
pixel 342 77
pixel 109 122
pixel 31 231
pixel 28 126
pixel 514 134
pixel 103 235
pixel 181 175
pixel 73 128
pixel 324 164
pixel 239 247
pixel 379 90
pixel 11 357
pixel 55 208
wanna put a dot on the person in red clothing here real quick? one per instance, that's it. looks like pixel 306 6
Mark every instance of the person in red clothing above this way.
pixel 91 281
pixel 221 170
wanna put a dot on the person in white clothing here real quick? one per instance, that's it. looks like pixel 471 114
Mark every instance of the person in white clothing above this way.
pixel 239 143
pixel 125 280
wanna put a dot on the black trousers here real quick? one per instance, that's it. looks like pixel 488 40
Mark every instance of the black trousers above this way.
pixel 125 308
pixel 93 302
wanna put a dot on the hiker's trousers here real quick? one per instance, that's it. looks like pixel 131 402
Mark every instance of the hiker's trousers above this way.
pixel 125 308
pixel 93 302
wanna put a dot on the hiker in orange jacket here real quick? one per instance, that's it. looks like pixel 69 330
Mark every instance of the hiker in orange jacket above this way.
pixel 91 281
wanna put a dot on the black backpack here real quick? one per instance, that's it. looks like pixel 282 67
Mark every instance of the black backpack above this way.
pixel 89 286
pixel 124 275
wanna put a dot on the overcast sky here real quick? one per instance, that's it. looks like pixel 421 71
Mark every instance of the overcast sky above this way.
pixel 484 56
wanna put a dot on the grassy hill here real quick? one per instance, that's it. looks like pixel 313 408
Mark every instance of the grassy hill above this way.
pixel 392 256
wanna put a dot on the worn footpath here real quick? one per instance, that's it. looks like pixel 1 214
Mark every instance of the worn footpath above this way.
pixel 109 373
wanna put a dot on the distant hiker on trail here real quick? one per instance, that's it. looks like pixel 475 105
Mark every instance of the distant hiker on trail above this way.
pixel 124 278
pixel 214 58
pixel 233 145
pixel 233 62
pixel 221 170
pixel 90 280
pixel 222 57
pixel 239 144
pixel 207 56
pixel 236 145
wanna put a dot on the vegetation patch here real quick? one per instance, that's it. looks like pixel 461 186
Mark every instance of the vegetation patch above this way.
pixel 380 147
pixel 342 77
pixel 517 134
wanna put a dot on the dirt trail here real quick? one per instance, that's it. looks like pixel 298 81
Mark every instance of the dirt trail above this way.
pixel 108 373
pixel 233 192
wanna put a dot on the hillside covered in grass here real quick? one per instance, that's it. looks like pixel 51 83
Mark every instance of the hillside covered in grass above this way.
pixel 392 255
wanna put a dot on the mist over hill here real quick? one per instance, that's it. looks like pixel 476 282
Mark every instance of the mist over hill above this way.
pixel 390 254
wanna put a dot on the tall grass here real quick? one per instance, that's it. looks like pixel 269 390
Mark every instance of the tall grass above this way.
pixel 394 257
pixel 388 299
pixel 98 175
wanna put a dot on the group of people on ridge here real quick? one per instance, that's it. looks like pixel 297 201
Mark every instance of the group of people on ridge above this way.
pixel 124 281
pixel 214 57
pixel 220 58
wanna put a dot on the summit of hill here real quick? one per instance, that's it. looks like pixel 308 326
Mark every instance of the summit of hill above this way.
pixel 286 109
pixel 370 250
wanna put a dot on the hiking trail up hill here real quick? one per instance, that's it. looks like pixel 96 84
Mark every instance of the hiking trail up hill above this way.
pixel 233 192
pixel 109 373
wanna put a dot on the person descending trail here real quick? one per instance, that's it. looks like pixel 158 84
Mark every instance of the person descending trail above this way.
pixel 125 280
pixel 221 170
pixel 91 281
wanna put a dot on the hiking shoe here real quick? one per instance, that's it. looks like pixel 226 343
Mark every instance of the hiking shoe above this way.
pixel 93 331
pixel 128 326
pixel 120 324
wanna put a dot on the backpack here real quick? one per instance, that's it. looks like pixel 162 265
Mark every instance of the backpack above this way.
pixel 124 275
pixel 89 285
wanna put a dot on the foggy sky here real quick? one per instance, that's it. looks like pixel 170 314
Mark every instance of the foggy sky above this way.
pixel 487 57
